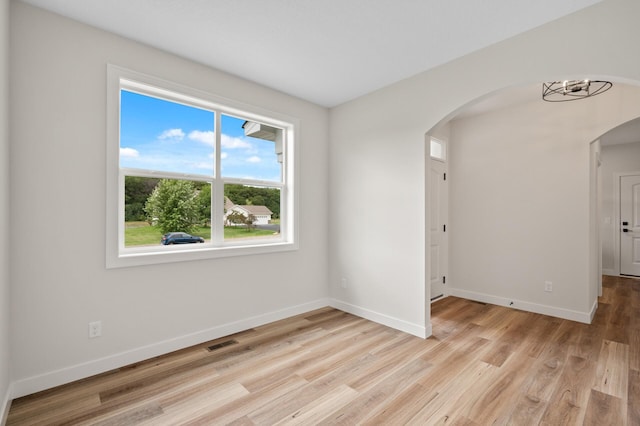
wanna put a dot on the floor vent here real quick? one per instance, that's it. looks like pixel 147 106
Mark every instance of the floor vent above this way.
pixel 221 345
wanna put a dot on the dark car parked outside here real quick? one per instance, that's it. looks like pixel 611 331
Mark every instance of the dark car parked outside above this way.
pixel 180 238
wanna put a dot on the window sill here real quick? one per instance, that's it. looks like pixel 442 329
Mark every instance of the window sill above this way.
pixel 187 253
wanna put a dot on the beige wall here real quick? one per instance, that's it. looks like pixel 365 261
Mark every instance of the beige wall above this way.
pixel 58 87
pixel 377 165
pixel 4 206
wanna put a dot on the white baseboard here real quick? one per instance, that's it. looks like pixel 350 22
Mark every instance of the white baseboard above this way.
pixel 69 374
pixel 553 311
pixel 4 408
pixel 609 272
pixel 396 323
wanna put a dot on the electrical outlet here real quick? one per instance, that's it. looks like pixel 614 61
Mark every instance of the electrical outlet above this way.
pixel 548 286
pixel 95 329
pixel 343 282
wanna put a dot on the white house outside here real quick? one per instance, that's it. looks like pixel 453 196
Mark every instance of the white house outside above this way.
pixel 262 214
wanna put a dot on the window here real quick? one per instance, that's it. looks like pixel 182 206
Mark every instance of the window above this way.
pixel 181 161
pixel 438 149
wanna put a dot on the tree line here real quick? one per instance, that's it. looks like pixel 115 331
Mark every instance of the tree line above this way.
pixel 186 202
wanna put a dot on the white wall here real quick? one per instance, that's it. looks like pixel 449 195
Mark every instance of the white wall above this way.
pixel 520 203
pixel 595 244
pixel 4 206
pixel 615 159
pixel 377 162
pixel 58 89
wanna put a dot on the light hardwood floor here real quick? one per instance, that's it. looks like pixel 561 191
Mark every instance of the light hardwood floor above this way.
pixel 484 365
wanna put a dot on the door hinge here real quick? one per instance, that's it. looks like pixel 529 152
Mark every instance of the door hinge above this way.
pixel 444 279
pixel 444 228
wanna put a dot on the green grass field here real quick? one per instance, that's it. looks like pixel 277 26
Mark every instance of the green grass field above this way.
pixel 141 234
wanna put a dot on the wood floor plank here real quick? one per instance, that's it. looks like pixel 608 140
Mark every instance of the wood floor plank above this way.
pixel 537 389
pixel 445 401
pixel 51 409
pixel 186 408
pixel 360 343
pixel 484 364
pixel 589 341
pixel 133 416
pixel 284 405
pixel 401 409
pixel 385 363
pixel 240 408
pixel 536 338
pixel 634 349
pixel 368 403
pixel 613 369
pixel 494 403
pixel 567 405
pixel 604 409
pixel 316 410
pixel 633 398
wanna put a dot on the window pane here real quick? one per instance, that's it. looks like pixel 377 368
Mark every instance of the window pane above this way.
pixel 251 212
pixel 437 149
pixel 165 136
pixel 250 150
pixel 155 207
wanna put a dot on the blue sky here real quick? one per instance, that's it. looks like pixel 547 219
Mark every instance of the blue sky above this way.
pixel 170 137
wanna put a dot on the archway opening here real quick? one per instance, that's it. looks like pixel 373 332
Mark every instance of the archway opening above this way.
pixel 519 176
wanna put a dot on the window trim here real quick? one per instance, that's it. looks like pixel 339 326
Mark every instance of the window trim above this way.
pixel 116 254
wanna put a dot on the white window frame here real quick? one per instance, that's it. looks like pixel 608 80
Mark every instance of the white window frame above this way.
pixel 117 255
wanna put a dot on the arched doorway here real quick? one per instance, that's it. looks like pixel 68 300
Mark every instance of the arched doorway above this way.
pixel 519 176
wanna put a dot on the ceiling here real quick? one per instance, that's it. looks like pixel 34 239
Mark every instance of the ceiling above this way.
pixel 326 52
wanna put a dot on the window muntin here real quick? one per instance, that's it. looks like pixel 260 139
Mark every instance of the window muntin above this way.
pixel 191 119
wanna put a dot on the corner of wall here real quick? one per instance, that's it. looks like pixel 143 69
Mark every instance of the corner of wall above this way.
pixel 395 323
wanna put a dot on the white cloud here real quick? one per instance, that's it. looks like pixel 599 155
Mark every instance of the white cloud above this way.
pixel 129 153
pixel 172 134
pixel 224 155
pixel 232 143
pixel 254 159
pixel 207 137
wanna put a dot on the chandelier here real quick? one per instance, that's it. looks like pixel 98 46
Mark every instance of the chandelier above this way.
pixel 571 90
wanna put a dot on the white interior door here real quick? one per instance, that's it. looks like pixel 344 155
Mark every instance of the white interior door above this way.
pixel 630 225
pixel 438 203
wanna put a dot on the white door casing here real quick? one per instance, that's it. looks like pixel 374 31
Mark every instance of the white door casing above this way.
pixel 438 204
pixel 630 225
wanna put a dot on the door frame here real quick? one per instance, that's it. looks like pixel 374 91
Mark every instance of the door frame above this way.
pixel 445 161
pixel 616 215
